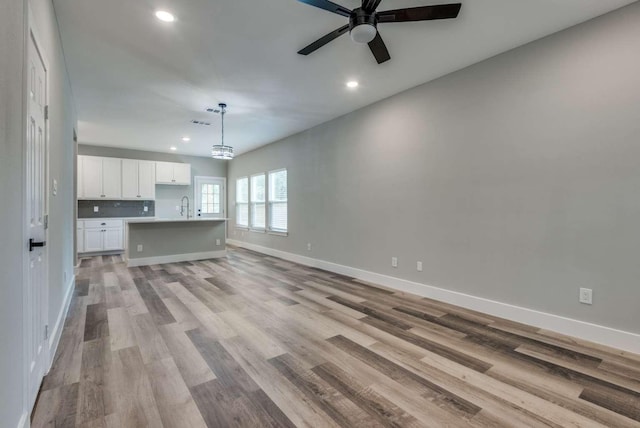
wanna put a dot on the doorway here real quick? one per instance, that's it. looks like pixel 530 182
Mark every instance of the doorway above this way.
pixel 209 197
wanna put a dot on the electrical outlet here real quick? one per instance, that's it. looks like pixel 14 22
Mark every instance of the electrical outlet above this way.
pixel 140 248
pixel 586 296
pixel 145 209
pixel 96 209
pixel 394 262
pixel 177 207
pixel 55 187
pixel 308 246
pixel 217 242
pixel 419 266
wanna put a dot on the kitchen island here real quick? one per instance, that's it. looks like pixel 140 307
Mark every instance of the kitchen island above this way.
pixel 155 241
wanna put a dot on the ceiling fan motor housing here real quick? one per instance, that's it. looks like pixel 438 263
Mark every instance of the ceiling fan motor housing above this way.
pixel 362 26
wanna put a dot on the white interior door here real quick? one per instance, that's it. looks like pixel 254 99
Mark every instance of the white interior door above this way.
pixel 36 210
pixel 209 197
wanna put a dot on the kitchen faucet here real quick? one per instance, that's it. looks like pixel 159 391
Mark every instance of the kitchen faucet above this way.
pixel 182 206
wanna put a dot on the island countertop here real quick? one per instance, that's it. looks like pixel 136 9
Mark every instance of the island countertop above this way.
pixel 171 220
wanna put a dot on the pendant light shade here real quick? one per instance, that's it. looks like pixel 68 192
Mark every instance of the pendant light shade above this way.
pixel 220 151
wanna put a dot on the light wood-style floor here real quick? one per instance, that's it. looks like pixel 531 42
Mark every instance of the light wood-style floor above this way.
pixel 253 341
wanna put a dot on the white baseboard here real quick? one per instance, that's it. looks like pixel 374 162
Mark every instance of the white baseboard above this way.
pixel 146 261
pixel 619 339
pixel 56 332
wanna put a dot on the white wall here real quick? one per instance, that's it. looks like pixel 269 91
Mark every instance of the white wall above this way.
pixel 13 31
pixel 514 180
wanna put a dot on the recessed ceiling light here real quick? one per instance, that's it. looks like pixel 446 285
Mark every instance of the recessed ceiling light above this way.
pixel 186 139
pixel 173 149
pixel 352 84
pixel 165 16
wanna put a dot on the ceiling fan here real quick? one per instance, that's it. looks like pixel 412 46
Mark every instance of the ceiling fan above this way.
pixel 363 23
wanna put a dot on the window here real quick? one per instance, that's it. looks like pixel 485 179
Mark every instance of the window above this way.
pixel 242 202
pixel 278 200
pixel 258 202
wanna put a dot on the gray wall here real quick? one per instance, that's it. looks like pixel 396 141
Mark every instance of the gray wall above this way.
pixel 167 197
pixel 13 32
pixel 11 185
pixel 515 179
pixel 169 239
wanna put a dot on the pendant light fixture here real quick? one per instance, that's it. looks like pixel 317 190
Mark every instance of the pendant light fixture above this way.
pixel 220 151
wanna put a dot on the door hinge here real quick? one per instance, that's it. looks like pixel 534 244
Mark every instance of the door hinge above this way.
pixel 46 112
pixel 46 332
pixel 46 221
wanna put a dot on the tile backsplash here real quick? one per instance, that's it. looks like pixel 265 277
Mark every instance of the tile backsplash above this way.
pixel 114 209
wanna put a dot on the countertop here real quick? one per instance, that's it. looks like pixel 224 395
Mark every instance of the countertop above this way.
pixel 172 220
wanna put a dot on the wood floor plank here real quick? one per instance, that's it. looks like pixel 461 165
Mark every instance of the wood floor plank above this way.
pixel 297 408
pixel 433 392
pixel 134 400
pixel 192 366
pixel 375 405
pixel 226 369
pixel 120 328
pixel 343 411
pixel 176 406
pixel 96 322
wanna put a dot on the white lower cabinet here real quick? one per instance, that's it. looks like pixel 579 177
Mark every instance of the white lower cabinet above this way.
pixel 93 241
pixel 102 235
pixel 113 239
pixel 80 237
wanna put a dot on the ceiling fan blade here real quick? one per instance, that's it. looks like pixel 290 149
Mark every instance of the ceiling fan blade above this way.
pixel 423 13
pixel 370 5
pixel 327 5
pixel 379 49
pixel 324 40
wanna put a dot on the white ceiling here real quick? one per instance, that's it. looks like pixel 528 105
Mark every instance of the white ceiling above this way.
pixel 138 81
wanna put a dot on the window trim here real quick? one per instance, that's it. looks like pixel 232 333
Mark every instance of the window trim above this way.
pixel 242 226
pixel 251 203
pixel 272 231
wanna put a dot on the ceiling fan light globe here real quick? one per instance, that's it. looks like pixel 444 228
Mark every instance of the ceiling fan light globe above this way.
pixel 363 33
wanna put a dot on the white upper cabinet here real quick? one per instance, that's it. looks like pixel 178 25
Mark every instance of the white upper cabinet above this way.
pixel 164 172
pixel 112 178
pixel 138 179
pixel 99 178
pixel 91 177
pixel 173 173
pixel 147 179
pixel 129 179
